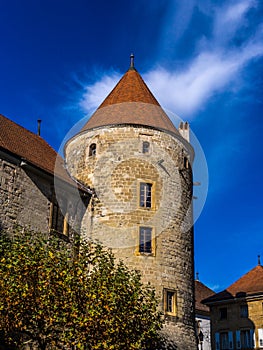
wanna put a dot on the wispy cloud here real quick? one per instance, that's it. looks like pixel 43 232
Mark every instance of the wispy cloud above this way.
pixel 216 67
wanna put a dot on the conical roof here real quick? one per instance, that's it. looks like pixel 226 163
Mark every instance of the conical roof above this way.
pixel 131 102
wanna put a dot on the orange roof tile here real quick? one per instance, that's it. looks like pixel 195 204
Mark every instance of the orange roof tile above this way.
pixel 249 284
pixel 131 102
pixel 31 147
pixel 202 292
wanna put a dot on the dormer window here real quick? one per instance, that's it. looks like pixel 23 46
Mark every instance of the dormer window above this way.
pixel 92 150
pixel 145 147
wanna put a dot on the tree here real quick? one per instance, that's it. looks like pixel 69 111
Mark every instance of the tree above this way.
pixel 54 298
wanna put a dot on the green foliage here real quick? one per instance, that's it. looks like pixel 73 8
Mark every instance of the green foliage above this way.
pixel 54 298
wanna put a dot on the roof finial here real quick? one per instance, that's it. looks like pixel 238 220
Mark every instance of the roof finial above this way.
pixel 38 126
pixel 132 61
pixel 259 263
pixel 197 276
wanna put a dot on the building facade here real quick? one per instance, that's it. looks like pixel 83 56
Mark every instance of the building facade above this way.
pixel 237 313
pixel 31 194
pixel 202 316
pixel 139 167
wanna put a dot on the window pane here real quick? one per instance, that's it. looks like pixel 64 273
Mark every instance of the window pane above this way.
pixel 145 147
pixel 145 240
pixel 245 339
pixel 224 340
pixel 145 195
pixel 92 149
pixel 170 296
pixel 244 311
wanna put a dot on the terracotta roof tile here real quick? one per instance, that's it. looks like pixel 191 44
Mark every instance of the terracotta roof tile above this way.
pixel 202 292
pixel 31 147
pixel 131 102
pixel 249 284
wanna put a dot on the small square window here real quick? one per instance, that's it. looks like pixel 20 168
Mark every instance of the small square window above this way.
pixel 145 244
pixel 170 302
pixel 145 195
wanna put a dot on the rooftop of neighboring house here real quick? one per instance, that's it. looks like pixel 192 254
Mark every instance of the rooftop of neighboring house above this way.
pixel 202 292
pixel 250 284
pixel 31 148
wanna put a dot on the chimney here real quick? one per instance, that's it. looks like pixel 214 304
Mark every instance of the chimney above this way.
pixel 38 126
pixel 184 130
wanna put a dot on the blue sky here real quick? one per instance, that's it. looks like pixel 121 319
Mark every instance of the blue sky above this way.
pixel 203 62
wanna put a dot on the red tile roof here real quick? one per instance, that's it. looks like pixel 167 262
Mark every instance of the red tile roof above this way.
pixel 249 284
pixel 202 292
pixel 131 102
pixel 30 147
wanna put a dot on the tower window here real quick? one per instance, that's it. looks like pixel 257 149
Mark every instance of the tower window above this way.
pixel 145 245
pixel 186 162
pixel 170 302
pixel 92 150
pixel 145 195
pixel 145 147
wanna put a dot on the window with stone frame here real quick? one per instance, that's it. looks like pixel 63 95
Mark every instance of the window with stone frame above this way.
pixel 170 302
pixel 145 240
pixel 146 195
pixel 58 222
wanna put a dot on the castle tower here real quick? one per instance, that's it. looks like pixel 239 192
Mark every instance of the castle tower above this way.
pixel 139 166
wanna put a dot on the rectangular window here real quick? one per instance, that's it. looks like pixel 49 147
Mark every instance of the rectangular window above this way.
pixel 246 340
pixel 58 222
pixel 145 195
pixel 244 311
pixel 217 341
pixel 230 340
pixel 145 243
pixel 170 302
pixel 224 340
pixel 145 147
pixel 223 313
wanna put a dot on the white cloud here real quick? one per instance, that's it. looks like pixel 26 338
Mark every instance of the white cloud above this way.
pixel 95 93
pixel 215 68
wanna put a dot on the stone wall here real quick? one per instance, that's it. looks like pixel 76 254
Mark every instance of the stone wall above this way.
pixel 28 196
pixel 115 216
pixel 24 197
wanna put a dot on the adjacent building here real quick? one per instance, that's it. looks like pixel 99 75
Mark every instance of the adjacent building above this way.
pixel 202 315
pixel 35 189
pixel 237 313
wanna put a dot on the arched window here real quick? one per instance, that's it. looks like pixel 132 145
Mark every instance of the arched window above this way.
pixel 92 149
pixel 145 147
